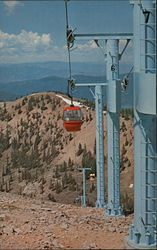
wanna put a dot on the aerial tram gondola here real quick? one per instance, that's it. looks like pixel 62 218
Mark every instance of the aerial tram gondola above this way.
pixel 72 118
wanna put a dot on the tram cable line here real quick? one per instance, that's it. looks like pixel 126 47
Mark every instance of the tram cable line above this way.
pixel 72 115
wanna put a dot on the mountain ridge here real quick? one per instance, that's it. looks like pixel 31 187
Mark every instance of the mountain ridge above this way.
pixel 59 84
pixel 39 157
pixel 28 71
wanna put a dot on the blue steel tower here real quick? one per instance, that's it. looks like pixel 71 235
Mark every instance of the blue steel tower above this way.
pixel 113 208
pixel 143 231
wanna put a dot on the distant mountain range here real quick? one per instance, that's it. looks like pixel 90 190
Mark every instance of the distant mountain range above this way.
pixel 23 79
pixel 50 83
pixel 29 71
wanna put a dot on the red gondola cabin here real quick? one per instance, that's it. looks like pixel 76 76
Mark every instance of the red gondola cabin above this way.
pixel 72 118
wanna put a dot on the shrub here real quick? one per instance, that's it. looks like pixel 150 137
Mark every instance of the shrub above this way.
pixel 56 174
pixel 87 119
pixel 51 197
pixel 70 164
pixel 43 108
pixel 70 137
pixel 123 126
pixel 58 187
pixel 63 167
pixel 72 187
pixel 19 111
pixel 91 203
pixel 92 188
pixel 127 203
pixel 17 106
pixel 124 150
pixel 80 150
pixel 122 167
pixel 89 161
pixel 4 141
pixel 129 163
pixel 126 142
pixel 90 117
pixel 30 105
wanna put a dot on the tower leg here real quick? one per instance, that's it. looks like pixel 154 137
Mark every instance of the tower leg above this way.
pixel 143 232
pixel 99 147
pixel 113 207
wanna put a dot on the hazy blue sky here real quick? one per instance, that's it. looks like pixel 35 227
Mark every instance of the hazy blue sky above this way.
pixel 35 30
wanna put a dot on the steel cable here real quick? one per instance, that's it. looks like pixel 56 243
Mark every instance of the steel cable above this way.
pixel 68 34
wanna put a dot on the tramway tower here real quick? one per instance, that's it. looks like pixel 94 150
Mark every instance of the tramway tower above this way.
pixel 143 231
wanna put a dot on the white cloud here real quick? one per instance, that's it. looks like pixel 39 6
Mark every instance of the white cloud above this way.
pixel 10 6
pixel 82 47
pixel 28 46
pixel 29 41
pixel 25 46
pixel 25 41
pixel 87 46
pixel 87 51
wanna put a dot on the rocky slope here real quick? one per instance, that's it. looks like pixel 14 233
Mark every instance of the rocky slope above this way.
pixel 34 224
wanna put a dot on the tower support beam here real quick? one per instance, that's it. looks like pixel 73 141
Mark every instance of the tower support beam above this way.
pixel 100 202
pixel 113 207
pixel 83 197
pixel 99 147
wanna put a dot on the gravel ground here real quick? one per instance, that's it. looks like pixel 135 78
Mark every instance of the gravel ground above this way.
pixel 35 224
